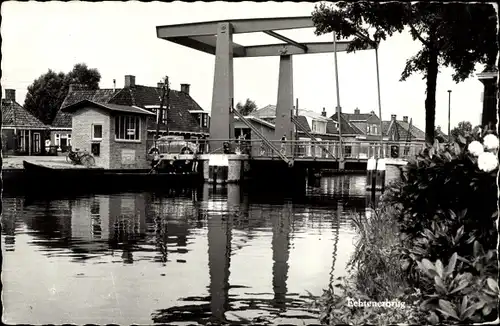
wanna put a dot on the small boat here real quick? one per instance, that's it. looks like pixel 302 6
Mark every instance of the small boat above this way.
pixel 71 177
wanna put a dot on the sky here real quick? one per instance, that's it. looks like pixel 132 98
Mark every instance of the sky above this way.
pixel 119 38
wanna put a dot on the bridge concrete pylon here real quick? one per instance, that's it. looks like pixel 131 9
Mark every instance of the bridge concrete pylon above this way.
pixel 215 37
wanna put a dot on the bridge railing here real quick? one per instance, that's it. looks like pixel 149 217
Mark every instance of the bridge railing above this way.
pixel 295 149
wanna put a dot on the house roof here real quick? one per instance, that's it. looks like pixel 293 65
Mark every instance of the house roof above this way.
pixel 303 122
pixel 347 127
pixel 355 116
pixel 402 130
pixel 178 116
pixel 145 97
pixel 106 106
pixel 63 119
pixel 415 132
pixel 268 111
pixel 14 115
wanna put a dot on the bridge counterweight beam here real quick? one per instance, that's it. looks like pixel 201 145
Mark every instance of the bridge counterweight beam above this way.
pixel 222 120
pixel 284 105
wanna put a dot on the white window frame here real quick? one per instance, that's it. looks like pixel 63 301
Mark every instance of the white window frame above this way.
pixel 205 119
pixel 57 140
pixel 93 132
pixel 129 122
pixel 69 139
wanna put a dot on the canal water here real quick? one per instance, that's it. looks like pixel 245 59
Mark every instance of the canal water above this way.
pixel 180 257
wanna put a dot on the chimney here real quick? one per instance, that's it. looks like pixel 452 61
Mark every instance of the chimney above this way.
pixel 372 112
pixel 76 87
pixel 129 81
pixel 393 117
pixel 185 88
pixel 160 85
pixel 405 118
pixel 324 112
pixel 114 84
pixel 356 111
pixel 10 94
pixel 438 128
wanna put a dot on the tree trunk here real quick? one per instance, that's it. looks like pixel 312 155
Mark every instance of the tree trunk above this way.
pixel 430 100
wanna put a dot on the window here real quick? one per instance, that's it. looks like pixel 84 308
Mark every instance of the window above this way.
pixel 314 125
pixel 96 132
pixel 69 140
pixel 57 140
pixel 127 128
pixel 205 120
pixel 95 149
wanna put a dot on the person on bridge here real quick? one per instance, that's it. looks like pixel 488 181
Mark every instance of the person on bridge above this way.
pixel 283 143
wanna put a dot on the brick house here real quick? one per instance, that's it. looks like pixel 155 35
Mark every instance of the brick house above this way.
pixel 402 130
pixel 367 125
pixel 22 133
pixel 116 135
pixel 184 117
pixel 60 128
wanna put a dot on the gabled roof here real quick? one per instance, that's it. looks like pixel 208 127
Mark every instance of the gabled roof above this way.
pixel 178 116
pixel 415 132
pixel 266 112
pixel 360 117
pixel 16 116
pixel 106 106
pixel 303 122
pixel 347 127
pixel 63 119
pixel 402 130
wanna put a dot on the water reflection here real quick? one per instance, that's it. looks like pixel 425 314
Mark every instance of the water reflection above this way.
pixel 263 252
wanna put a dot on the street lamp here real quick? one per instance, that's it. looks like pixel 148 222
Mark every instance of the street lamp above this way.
pixel 449 115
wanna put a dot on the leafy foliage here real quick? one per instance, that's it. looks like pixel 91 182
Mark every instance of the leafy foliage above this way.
pixel 456 35
pixel 47 92
pixel 460 296
pixel 246 108
pixel 463 129
pixel 445 184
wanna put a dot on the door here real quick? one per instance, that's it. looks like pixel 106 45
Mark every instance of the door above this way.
pixel 37 145
pixel 64 144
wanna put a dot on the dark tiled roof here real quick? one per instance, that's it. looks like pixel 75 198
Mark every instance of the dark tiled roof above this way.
pixel 63 119
pixel 106 106
pixel 267 111
pixel 415 132
pixel 346 126
pixel 385 126
pixel 14 115
pixel 402 130
pixel 355 116
pixel 178 116
pixel 303 122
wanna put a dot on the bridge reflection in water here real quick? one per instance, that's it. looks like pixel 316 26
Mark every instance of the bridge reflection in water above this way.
pixel 182 232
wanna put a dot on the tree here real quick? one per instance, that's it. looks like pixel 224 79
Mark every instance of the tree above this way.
pixel 463 129
pixel 246 108
pixel 46 94
pixel 456 35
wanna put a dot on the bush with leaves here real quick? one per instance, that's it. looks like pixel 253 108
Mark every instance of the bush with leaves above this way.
pixel 454 185
pixel 460 296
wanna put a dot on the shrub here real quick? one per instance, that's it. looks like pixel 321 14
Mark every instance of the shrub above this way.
pixel 461 296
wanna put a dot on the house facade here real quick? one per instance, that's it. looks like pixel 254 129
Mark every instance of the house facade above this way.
pixel 116 135
pixel 184 117
pixel 22 132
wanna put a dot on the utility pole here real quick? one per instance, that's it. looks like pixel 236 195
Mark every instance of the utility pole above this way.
pixel 449 115
pixel 166 91
pixel 379 103
pixel 339 109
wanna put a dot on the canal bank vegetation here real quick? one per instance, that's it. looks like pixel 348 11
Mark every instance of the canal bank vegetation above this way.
pixel 429 250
